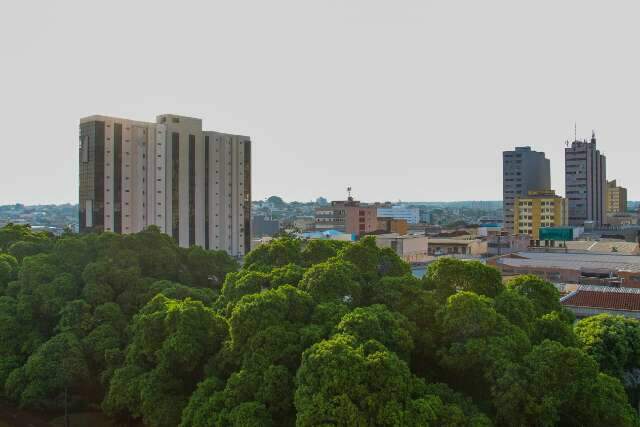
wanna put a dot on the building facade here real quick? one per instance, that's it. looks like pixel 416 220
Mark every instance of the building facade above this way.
pixel 523 170
pixel 411 215
pixel 194 185
pixel 262 226
pixel 585 182
pixel 411 248
pixel 616 198
pixel 537 210
pixel 390 225
pixel 349 216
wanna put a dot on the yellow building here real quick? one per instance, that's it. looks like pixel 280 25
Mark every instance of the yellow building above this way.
pixel 616 198
pixel 537 210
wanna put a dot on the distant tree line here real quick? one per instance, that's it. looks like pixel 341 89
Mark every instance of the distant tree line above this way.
pixel 311 333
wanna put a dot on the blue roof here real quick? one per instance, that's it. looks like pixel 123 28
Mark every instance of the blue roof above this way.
pixel 323 234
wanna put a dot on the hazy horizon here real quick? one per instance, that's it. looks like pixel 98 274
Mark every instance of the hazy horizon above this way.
pixel 409 100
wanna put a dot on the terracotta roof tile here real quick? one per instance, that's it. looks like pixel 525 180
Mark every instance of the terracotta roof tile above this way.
pixel 629 301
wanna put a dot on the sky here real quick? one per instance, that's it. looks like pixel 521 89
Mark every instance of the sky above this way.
pixel 401 100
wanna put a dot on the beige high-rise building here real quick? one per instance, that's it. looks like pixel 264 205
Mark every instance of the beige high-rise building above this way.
pixel 194 185
pixel 585 182
pixel 537 210
pixel 616 198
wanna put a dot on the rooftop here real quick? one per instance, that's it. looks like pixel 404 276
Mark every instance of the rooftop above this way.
pixel 573 261
pixel 603 246
pixel 448 241
pixel 398 236
pixel 603 297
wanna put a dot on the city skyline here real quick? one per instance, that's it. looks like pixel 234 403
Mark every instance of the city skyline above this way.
pixel 401 103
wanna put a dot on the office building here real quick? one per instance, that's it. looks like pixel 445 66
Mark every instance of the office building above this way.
pixel 411 215
pixel 537 210
pixel 523 170
pixel 585 182
pixel 194 185
pixel 616 198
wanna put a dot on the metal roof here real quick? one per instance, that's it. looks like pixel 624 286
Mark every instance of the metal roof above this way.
pixel 573 261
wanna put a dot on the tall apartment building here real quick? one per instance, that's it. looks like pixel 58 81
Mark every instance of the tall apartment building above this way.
pixel 537 210
pixel 523 170
pixel 195 185
pixel 616 198
pixel 585 182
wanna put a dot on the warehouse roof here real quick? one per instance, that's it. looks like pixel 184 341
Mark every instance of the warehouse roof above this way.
pixel 572 261
pixel 603 246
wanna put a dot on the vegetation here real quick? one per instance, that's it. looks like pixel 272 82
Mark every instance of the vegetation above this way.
pixel 307 334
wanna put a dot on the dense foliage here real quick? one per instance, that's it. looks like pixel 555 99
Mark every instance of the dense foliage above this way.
pixel 305 333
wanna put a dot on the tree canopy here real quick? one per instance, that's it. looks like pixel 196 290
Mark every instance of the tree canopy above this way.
pixel 304 333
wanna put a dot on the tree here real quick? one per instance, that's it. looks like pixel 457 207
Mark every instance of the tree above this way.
pixel 613 341
pixel 344 382
pixel 553 326
pixel 393 330
pixel 544 296
pixel 58 365
pixel 373 262
pixel 555 385
pixel 277 253
pixel 276 201
pixel 8 269
pixel 449 275
pixel 405 295
pixel 12 233
pixel 476 343
pixel 317 250
pixel 171 344
pixel 517 308
pixel 333 281
pixel 205 269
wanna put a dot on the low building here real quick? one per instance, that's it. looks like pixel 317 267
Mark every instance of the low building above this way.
pixel 451 246
pixel 350 216
pixel 261 226
pixel 411 248
pixel 304 223
pixel 391 225
pixel 486 229
pixel 587 301
pixel 411 215
pixel 611 269
pixel 502 243
pixel 537 210
pixel 622 218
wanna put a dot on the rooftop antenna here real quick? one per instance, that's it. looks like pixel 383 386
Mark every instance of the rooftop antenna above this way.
pixel 575 131
pixel 348 193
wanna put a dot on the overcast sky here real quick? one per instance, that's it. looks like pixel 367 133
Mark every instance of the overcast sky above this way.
pixel 402 100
